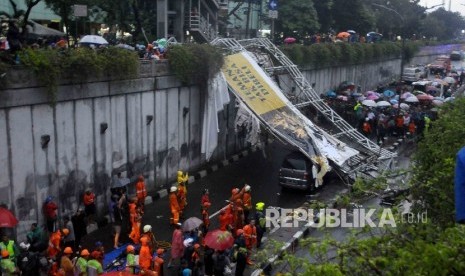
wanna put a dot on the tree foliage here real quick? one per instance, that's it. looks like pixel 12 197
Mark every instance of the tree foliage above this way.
pixel 435 246
pixel 298 18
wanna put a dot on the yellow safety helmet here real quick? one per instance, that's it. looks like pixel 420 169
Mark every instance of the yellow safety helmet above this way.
pixel 259 206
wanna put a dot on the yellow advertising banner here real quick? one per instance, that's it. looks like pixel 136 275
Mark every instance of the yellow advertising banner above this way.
pixel 250 85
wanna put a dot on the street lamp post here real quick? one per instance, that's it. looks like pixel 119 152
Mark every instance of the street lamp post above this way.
pixel 402 51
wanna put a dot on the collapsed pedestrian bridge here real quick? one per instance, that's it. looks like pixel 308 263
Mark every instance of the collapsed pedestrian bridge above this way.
pixel 248 70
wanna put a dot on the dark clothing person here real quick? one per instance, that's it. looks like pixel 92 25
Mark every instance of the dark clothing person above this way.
pixel 220 260
pixel 241 261
pixel 208 259
pixel 13 37
pixel 28 263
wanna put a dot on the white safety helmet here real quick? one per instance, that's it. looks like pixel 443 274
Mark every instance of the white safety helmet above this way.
pixel 147 228
pixel 173 189
pixel 247 188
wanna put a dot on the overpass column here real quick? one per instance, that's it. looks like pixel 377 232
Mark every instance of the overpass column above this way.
pixel 162 18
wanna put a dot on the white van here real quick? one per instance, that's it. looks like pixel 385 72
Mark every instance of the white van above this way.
pixel 412 74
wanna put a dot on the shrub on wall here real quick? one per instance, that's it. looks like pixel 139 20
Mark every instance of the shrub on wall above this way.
pixel 197 62
pixel 50 65
pixel 327 54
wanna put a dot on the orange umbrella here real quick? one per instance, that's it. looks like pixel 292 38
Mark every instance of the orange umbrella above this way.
pixel 343 35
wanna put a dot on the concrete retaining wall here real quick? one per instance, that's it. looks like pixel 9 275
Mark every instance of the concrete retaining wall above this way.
pixel 101 127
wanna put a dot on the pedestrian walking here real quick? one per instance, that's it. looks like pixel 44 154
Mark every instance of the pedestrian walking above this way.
pixel 205 217
pixel 94 267
pixel 10 246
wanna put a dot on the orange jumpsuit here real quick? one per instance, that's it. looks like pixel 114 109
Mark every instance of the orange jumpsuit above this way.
pixel 54 244
pixel 238 217
pixel 141 192
pixel 145 257
pixel 174 207
pixel 247 201
pixel 158 265
pixel 224 221
pixel 182 196
pixel 135 223
pixel 205 218
pixel 230 211
pixel 250 234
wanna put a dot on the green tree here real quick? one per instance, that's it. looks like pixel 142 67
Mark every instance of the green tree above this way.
pixel 352 15
pixel 443 24
pixel 21 15
pixel 432 247
pixel 297 18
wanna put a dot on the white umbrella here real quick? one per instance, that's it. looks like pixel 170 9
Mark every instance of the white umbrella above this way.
pixel 412 99
pixel 93 39
pixel 437 102
pixel 382 104
pixel 450 80
pixel 369 103
pixel 404 106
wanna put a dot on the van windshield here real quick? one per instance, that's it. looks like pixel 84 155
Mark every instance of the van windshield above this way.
pixel 294 164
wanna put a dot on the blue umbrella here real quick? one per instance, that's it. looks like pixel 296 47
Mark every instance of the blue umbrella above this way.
pixel 389 93
pixel 394 101
pixel 331 94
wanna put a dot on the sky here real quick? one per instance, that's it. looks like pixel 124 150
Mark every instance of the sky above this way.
pixel 456 5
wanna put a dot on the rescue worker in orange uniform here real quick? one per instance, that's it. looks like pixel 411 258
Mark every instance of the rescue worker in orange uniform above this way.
pixel 174 206
pixel 224 220
pixel 182 190
pixel 158 262
pixel 230 213
pixel 205 217
pixel 247 202
pixel 236 194
pixel 152 242
pixel 141 192
pixel 205 198
pixel 54 247
pixel 134 218
pixel 238 215
pixel 145 258
pixel 250 235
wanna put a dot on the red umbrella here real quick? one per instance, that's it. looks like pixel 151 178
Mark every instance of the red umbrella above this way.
pixel 219 240
pixel 425 97
pixel 7 219
pixel 289 40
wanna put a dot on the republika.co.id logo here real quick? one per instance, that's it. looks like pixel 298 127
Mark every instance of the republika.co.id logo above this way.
pixel 345 218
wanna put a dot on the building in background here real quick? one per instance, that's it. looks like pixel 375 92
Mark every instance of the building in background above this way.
pixel 249 19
